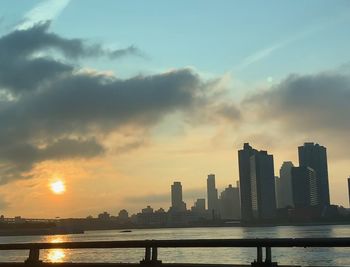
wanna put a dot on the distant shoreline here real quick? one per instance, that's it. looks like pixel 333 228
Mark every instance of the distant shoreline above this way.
pixel 220 225
pixel 241 225
pixel 35 232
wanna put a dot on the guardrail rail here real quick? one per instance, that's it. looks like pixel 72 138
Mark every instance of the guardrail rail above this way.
pixel 151 246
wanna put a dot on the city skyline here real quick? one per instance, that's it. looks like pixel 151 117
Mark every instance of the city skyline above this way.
pixel 108 103
pixel 301 186
pixel 304 190
pixel 262 199
pixel 194 197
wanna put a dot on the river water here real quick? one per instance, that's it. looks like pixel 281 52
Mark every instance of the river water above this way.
pixel 297 256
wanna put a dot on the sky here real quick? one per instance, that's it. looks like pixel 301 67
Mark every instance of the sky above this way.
pixel 116 99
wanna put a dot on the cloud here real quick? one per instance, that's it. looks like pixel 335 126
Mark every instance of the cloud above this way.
pixel 19 71
pixel 44 11
pixel 18 158
pixel 261 54
pixel 131 50
pixel 310 105
pixel 130 146
pixel 228 111
pixel 266 52
pixel 21 67
pixel 54 110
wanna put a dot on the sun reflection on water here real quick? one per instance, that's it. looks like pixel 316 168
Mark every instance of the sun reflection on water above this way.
pixel 58 254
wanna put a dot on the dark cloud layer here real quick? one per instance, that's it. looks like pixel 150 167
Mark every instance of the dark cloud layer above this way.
pixel 53 111
pixel 23 69
pixel 309 102
pixel 17 157
pixel 316 106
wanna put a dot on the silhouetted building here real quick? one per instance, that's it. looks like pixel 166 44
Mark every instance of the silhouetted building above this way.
pixel 145 217
pixel 160 210
pixel 198 210
pixel 160 217
pixel 212 194
pixel 177 205
pixel 262 185
pixel 349 189
pixel 148 217
pixel 104 216
pixel 286 190
pixel 199 205
pixel 239 195
pixel 304 184
pixel 278 192
pixel 244 181
pixel 147 210
pixel 230 204
pixel 123 215
pixel 315 156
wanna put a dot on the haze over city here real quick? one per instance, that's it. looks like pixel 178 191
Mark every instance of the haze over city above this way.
pixel 104 104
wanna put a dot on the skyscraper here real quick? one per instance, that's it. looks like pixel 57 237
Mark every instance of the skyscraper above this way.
pixel 262 180
pixel 176 198
pixel 304 184
pixel 286 196
pixel 244 181
pixel 315 156
pixel 229 203
pixel 199 206
pixel 212 194
pixel 349 189
pixel 278 191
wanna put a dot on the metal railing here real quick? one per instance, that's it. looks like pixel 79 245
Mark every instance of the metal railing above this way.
pixel 151 246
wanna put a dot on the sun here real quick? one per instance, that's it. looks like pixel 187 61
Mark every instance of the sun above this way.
pixel 58 187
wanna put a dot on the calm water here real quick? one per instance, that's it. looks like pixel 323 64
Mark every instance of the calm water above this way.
pixel 301 256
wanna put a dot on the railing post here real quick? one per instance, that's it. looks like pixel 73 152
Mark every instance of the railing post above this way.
pixel 258 262
pixel 268 259
pixel 259 254
pixel 268 255
pixel 147 254
pixel 155 256
pixel 151 256
pixel 154 253
pixel 34 254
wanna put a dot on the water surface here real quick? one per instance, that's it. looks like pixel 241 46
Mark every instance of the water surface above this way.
pixel 300 256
